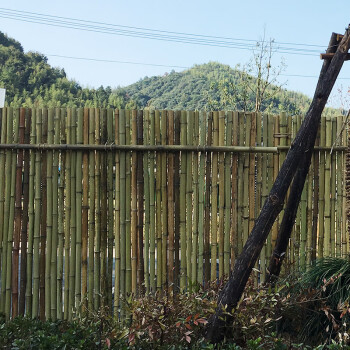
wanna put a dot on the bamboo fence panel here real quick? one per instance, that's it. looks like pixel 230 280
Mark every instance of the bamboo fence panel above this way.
pixel 84 223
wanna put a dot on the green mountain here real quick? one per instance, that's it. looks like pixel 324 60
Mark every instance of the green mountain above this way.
pixel 30 81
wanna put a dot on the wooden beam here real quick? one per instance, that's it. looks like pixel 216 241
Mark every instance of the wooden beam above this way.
pixel 328 56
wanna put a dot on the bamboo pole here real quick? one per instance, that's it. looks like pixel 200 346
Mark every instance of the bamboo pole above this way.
pixel 25 217
pixel 110 208
pixel 201 195
pixel 240 181
pixel 152 204
pixel 228 192
pixel 78 206
pixel 37 213
pixel 208 185
pixel 214 200
pixel 321 228
pixel 234 192
pixel 338 250
pixel 122 187
pixel 251 170
pixel 146 176
pixel 43 230
pixel 189 207
pixel 48 223
pixel 104 223
pixel 309 185
pixel 327 191
pixel 333 187
pixel 28 297
pixel 221 183
pixel 194 254
pixel 177 128
pixel 73 220
pixel 54 267
pixel 134 205
pixel 246 180
pixel 183 175
pixel 164 198
pixel 97 250
pixel 68 211
pixel 117 238
pixel 85 212
pixel 140 206
pixel 171 204
pixel 18 217
pixel 158 203
pixel 60 128
pixel 128 205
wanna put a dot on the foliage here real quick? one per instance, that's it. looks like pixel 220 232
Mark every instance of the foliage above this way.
pixel 31 82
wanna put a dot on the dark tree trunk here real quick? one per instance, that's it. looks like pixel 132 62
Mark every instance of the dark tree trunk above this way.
pixel 218 325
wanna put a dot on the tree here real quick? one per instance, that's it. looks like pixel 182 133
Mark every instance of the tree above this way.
pixel 296 161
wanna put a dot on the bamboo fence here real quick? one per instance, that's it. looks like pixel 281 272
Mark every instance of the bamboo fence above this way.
pixel 98 204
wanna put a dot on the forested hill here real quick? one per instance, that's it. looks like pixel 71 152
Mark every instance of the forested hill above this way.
pixel 30 81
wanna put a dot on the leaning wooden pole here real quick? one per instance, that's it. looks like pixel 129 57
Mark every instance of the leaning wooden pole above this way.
pixel 217 326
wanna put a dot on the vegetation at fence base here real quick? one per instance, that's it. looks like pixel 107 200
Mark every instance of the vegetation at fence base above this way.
pixel 266 318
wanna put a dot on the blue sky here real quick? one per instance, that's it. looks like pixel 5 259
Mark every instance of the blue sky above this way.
pixel 302 22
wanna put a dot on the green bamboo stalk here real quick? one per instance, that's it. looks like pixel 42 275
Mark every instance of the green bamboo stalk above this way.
pixel 37 216
pixel 140 206
pixel 91 223
pixel 177 128
pixel 3 114
pixel 146 177
pixel 327 191
pixel 240 182
pixel 14 117
pixel 303 224
pixel 251 171
pixel 214 199
pixel 171 207
pixel 246 180
pixel 234 190
pixel 221 194
pixel 207 208
pixel 97 251
pixel 18 217
pixel 117 274
pixel 24 229
pixel 110 205
pixel 228 191
pixel 201 194
pixel 338 250
pixel 68 210
pixel 134 205
pixel 78 205
pixel 189 208
pixel 152 205
pixel 104 214
pixel 9 126
pixel 194 254
pixel 333 187
pixel 85 213
pixel 43 231
pixel 28 298
pixel 309 213
pixel 54 267
pixel 73 219
pixel 158 202
pixel 282 142
pixel 60 128
pixel 276 163
pixel 264 190
pixel 164 198
pixel 270 174
pixel 183 176
pixel 343 199
pixel 128 204
pixel 321 227
pixel 49 217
